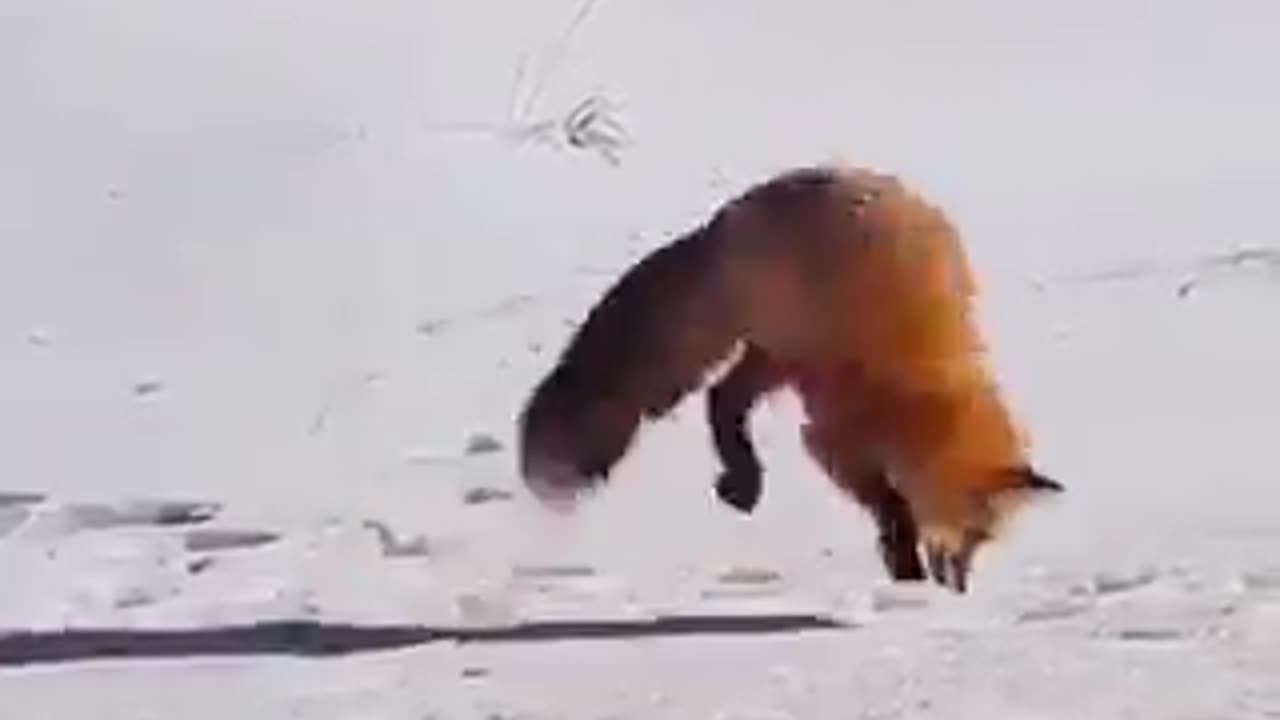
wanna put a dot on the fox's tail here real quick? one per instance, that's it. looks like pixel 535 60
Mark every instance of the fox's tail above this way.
pixel 645 345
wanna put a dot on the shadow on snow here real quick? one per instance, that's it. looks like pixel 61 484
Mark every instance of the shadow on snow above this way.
pixel 318 639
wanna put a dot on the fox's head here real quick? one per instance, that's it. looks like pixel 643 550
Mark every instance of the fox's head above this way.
pixel 1010 491
pixel 974 514
pixel 965 464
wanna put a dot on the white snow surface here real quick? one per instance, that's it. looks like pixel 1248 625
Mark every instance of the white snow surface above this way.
pixel 292 267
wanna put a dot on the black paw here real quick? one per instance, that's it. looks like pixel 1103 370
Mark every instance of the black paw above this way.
pixel 740 489
pixel 950 563
pixel 900 545
pixel 902 561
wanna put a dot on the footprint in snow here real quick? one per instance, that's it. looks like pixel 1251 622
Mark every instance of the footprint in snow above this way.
pixel 1081 598
pixel 749 576
pixel 78 517
pixel 1165 617
pixel 558 572
pixel 147 388
pixel 897 597
pixel 1261 580
pixel 392 546
pixel 15 509
pixel 11 518
pixel 745 582
pixel 19 499
pixel 482 444
pixel 485 495
pixel 1115 583
pixel 1056 608
pixel 223 539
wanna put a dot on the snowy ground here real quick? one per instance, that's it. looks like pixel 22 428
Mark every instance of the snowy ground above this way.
pixel 276 276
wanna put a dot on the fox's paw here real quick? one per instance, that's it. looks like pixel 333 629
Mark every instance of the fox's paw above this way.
pixel 740 489
pixel 899 541
pixel 949 555
pixel 902 561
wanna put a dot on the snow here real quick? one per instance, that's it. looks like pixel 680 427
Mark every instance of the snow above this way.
pixel 276 276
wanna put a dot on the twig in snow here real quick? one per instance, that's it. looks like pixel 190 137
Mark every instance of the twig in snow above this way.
pixel 1195 271
pixel 592 124
pixel 1266 258
pixel 558 50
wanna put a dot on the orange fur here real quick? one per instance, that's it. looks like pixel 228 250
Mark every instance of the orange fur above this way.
pixel 846 286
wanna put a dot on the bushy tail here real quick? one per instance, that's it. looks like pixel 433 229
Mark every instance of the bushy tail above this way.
pixel 645 345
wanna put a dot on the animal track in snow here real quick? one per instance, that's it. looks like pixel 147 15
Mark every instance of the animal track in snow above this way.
pixel 744 582
pixel 482 444
pixel 553 571
pixel 392 546
pixel 12 518
pixel 484 495
pixel 1113 583
pixel 222 539
pixel 749 576
pixel 1085 597
pixel 93 516
pixel 15 509
pixel 73 518
pixel 1263 580
pixel 746 592
pixel 1056 608
pixel 1168 615
pixel 18 499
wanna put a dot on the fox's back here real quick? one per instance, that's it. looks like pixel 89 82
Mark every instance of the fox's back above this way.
pixel 863 289
pixel 834 265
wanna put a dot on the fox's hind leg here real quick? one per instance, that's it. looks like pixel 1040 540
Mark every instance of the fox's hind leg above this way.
pixel 729 403
pixel 855 472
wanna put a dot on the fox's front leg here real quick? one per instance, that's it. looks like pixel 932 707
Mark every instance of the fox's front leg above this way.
pixel 840 452
pixel 729 404
pixel 899 536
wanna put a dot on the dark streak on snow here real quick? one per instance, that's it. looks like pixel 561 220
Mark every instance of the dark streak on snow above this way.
pixel 486 495
pixel 308 638
pixel 221 539
pixel 146 388
pixel 10 499
pixel 482 444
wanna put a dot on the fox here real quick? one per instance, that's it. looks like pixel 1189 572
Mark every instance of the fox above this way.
pixel 850 288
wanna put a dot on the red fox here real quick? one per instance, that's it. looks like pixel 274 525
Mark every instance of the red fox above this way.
pixel 844 285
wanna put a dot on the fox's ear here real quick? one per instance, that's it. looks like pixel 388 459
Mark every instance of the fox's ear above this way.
pixel 1029 478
